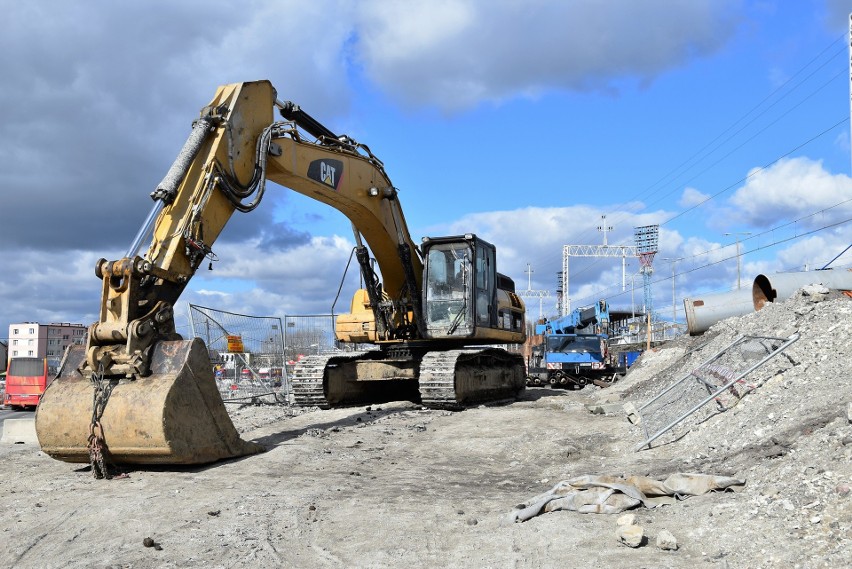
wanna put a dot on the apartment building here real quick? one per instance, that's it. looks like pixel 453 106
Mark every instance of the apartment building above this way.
pixel 34 340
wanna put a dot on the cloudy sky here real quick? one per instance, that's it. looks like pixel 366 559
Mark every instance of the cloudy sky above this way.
pixel 523 122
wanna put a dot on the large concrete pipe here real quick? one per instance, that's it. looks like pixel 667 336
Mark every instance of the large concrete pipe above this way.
pixel 782 286
pixel 704 311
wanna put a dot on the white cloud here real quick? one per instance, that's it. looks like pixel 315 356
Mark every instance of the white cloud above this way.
pixel 49 286
pixel 537 235
pixel 692 197
pixel 109 91
pixel 216 295
pixel 841 141
pixel 814 252
pixel 837 14
pixel 790 189
pixel 456 54
pixel 299 280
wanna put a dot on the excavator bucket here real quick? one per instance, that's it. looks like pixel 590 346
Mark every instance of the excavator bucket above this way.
pixel 175 415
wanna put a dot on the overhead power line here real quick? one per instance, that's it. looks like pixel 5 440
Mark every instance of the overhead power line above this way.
pixel 757 171
pixel 603 293
pixel 700 155
pixel 806 73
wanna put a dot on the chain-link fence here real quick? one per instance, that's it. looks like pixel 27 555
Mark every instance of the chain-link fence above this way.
pixel 720 379
pixel 308 335
pixel 254 356
pixel 247 352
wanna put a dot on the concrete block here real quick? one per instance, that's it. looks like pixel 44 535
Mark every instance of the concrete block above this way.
pixel 632 413
pixel 16 431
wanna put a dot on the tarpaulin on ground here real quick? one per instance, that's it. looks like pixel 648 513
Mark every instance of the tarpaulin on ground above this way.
pixel 613 494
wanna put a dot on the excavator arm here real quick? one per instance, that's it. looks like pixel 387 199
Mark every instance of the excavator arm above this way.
pixel 232 151
pixel 344 174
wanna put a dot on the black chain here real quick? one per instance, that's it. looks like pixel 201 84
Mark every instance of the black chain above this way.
pixel 97 445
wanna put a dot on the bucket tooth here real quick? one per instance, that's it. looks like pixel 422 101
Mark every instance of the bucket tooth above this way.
pixel 175 415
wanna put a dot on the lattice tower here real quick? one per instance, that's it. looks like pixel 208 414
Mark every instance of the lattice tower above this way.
pixel 646 239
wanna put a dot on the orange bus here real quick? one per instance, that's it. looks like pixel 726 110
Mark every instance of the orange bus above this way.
pixel 26 380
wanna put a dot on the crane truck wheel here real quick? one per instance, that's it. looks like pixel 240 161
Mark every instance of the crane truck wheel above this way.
pixel 175 415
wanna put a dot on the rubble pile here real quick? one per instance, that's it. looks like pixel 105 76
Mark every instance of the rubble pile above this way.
pixel 790 436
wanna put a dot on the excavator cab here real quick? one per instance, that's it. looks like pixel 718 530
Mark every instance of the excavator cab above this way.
pixel 448 294
pixel 463 294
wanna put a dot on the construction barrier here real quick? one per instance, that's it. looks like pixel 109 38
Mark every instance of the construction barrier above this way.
pixel 18 431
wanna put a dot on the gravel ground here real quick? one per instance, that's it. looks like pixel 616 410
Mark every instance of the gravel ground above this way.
pixel 395 485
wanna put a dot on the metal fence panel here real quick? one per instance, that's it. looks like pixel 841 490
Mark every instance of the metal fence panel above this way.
pixel 247 352
pixel 307 335
pixel 721 378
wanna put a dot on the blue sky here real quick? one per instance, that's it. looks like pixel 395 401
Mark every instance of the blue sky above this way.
pixel 523 122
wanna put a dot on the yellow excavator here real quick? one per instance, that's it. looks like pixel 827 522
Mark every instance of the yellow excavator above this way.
pixel 433 316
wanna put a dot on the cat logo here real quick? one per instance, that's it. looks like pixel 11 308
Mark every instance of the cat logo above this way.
pixel 326 171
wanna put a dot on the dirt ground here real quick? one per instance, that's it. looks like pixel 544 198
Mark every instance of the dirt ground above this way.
pixel 395 485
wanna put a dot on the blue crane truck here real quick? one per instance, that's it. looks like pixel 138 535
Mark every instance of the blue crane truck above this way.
pixel 574 350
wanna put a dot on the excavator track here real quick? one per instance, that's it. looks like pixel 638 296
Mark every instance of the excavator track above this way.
pixel 449 380
pixel 455 379
pixel 308 378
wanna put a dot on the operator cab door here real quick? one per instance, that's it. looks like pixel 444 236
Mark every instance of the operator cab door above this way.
pixel 485 304
pixel 460 286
